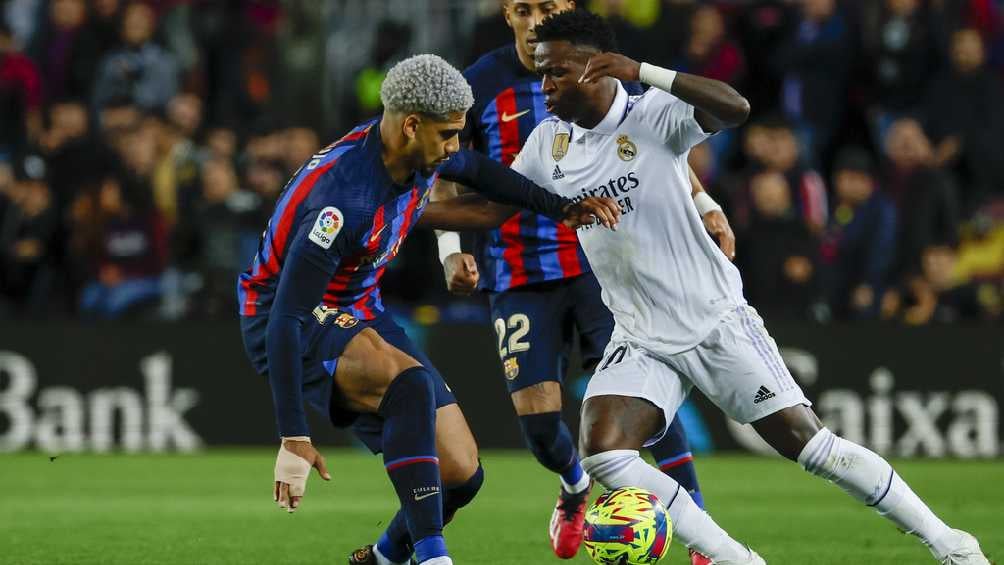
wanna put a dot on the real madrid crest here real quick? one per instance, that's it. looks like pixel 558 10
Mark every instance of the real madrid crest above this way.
pixel 560 146
pixel 511 367
pixel 626 149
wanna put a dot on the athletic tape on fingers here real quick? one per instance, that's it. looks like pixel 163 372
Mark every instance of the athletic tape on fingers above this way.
pixel 293 470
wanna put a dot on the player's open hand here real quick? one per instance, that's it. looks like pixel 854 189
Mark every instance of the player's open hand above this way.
pixel 587 211
pixel 461 273
pixel 292 467
pixel 718 226
pixel 610 65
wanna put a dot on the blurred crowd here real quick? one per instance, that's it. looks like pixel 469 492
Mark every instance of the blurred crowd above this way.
pixel 143 144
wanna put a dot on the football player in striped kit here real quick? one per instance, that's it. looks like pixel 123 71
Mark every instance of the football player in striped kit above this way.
pixel 314 323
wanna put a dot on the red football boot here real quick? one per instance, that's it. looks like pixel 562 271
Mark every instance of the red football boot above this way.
pixel 567 523
pixel 698 559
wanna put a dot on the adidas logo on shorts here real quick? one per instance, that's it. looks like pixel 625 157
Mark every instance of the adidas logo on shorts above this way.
pixel 557 174
pixel 762 394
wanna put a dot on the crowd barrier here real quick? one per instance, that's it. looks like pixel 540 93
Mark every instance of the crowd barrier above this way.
pixel 69 387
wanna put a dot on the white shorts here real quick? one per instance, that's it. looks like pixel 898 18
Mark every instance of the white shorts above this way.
pixel 737 366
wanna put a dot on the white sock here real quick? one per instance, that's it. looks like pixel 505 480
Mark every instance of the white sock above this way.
pixel 578 487
pixel 691 525
pixel 381 560
pixel 438 561
pixel 869 478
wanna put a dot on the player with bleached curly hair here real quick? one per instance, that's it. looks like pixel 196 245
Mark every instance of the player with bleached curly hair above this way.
pixel 313 319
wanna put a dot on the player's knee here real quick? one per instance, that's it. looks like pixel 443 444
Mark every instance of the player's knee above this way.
pixel 460 495
pixel 460 469
pixel 787 444
pixel 418 380
pixel 789 430
pixel 539 440
pixel 610 423
pixel 413 386
pixel 393 361
pixel 464 489
pixel 600 439
pixel 540 434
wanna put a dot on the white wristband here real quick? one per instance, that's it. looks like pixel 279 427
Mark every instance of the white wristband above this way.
pixel 449 243
pixel 705 203
pixel 297 438
pixel 657 76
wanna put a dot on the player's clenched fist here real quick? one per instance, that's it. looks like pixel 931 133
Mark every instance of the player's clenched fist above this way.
pixel 588 210
pixel 461 273
pixel 292 466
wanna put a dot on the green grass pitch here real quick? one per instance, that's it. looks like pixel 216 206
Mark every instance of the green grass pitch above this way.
pixel 216 507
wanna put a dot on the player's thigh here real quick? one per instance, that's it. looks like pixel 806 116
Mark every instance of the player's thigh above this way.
pixel 739 368
pixel 366 368
pixel 629 401
pixel 593 320
pixel 455 446
pixel 395 335
pixel 532 342
pixel 609 422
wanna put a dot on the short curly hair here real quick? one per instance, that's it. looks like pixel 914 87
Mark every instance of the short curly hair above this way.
pixel 578 27
pixel 426 84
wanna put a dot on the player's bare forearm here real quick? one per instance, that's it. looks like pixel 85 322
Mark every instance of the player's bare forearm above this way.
pixel 443 190
pixel 467 212
pixel 714 219
pixel 717 105
pixel 695 183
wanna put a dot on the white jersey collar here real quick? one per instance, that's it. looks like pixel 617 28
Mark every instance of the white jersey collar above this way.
pixel 614 117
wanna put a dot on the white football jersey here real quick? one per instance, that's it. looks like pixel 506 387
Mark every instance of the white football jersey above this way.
pixel 663 277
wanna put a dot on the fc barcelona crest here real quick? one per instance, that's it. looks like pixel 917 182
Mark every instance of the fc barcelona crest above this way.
pixel 343 320
pixel 511 367
pixel 560 146
pixel 626 149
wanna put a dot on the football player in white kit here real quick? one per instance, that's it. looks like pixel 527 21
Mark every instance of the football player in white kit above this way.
pixel 681 319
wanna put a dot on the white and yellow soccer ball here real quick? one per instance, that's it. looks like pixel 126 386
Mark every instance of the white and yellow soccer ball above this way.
pixel 627 526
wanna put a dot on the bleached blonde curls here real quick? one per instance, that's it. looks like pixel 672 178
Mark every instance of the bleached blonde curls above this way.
pixel 426 84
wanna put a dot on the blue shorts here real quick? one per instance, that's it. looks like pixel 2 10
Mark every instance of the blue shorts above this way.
pixel 323 344
pixel 536 325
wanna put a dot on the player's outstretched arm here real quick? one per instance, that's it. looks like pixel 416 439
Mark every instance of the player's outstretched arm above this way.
pixel 506 186
pixel 467 212
pixel 717 105
pixel 475 212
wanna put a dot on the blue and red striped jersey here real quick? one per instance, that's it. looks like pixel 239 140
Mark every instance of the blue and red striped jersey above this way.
pixel 528 248
pixel 338 223
pixel 369 214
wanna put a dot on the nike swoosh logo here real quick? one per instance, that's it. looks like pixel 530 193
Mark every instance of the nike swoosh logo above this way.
pixel 376 235
pixel 426 495
pixel 506 117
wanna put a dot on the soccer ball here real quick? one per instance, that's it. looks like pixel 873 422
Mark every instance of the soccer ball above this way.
pixel 627 526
